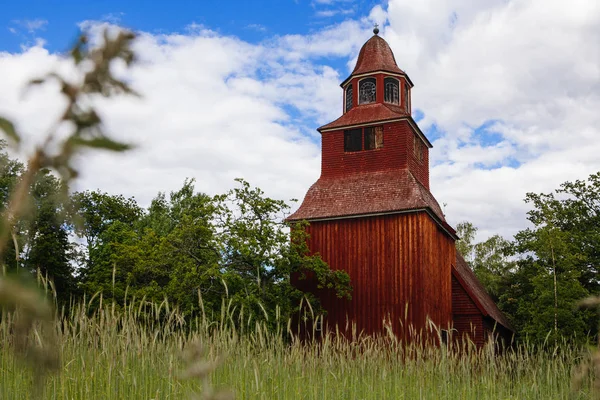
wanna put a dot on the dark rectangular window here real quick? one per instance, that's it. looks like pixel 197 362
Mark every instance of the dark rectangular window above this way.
pixel 373 138
pixel 353 140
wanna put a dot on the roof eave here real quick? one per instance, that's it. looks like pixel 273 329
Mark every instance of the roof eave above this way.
pixel 409 118
pixel 442 224
pixel 498 323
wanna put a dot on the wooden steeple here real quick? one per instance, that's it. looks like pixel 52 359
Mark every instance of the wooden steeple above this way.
pixel 371 212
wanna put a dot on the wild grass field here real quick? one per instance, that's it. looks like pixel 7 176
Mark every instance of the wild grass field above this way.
pixel 150 353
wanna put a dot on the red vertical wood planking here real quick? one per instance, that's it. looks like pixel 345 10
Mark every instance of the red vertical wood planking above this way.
pixel 392 260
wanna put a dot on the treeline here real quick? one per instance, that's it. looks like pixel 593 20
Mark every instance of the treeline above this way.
pixel 540 277
pixel 185 246
pixel 235 246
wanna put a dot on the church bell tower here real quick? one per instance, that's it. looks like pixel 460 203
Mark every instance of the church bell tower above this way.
pixel 371 212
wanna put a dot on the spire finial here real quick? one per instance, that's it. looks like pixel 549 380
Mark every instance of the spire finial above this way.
pixel 376 29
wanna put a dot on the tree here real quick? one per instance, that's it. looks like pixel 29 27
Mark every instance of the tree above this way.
pixel 259 255
pixel 40 240
pixel 183 232
pixel 466 232
pixel 492 264
pixel 10 171
pixel 97 210
pixel 489 260
pixel 47 247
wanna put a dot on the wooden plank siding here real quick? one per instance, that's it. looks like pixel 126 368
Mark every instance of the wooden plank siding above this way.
pixel 400 270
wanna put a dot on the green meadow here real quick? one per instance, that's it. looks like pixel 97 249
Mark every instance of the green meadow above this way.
pixel 150 352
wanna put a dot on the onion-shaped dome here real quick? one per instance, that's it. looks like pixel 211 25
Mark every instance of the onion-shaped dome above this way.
pixel 376 55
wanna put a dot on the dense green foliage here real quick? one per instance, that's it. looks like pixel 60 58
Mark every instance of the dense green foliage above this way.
pixel 541 276
pixel 191 248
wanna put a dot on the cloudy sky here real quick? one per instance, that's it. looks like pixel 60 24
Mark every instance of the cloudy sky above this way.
pixel 508 91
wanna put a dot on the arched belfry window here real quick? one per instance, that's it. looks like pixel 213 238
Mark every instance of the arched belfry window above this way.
pixel 366 91
pixel 348 97
pixel 392 91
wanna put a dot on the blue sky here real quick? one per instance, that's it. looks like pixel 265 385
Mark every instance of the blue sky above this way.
pixel 252 21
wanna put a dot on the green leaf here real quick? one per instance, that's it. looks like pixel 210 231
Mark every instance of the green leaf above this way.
pixel 9 128
pixel 101 143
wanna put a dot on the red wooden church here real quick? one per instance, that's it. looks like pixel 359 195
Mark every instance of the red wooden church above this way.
pixel 371 214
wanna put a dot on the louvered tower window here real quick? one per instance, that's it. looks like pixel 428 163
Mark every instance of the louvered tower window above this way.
pixel 366 91
pixel 349 97
pixel 392 91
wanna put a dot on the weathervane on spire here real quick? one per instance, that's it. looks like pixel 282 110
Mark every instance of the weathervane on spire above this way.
pixel 376 29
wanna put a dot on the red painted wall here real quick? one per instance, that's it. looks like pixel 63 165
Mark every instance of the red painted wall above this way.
pixel 400 269
pixel 397 152
pixel 419 167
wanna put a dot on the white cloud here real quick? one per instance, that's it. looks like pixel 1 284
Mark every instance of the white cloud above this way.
pixel 257 27
pixel 26 30
pixel 332 13
pixel 330 2
pixel 32 25
pixel 113 18
pixel 326 13
pixel 331 8
pixel 534 66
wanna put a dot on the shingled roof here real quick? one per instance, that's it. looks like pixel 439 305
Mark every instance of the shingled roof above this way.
pixel 366 193
pixel 367 113
pixel 466 277
pixel 376 55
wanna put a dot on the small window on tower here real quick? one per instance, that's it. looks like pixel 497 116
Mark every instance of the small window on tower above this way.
pixel 348 97
pixel 406 98
pixel 366 91
pixel 373 138
pixel 353 140
pixel 392 91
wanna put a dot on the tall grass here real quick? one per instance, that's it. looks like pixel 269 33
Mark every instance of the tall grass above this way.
pixel 139 352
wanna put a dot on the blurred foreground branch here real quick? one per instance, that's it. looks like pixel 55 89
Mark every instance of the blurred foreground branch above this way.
pixel 25 308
